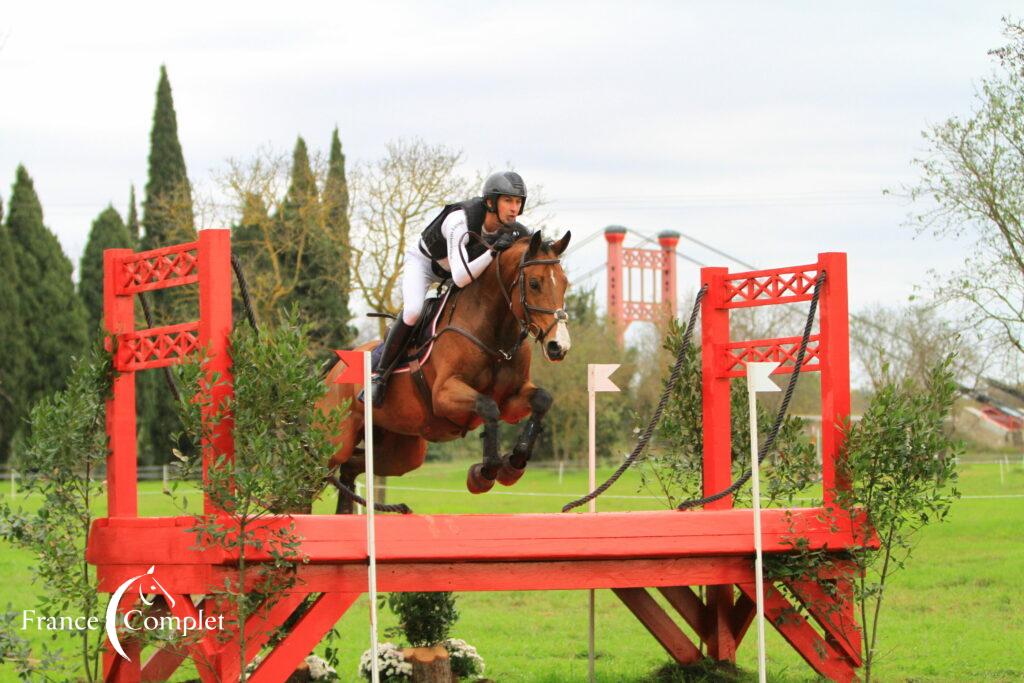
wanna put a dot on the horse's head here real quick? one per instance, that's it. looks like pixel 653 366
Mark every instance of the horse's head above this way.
pixel 536 293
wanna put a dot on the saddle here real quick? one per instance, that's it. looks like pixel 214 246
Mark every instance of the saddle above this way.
pixel 420 341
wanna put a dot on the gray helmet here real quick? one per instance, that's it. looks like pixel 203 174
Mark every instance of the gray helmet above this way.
pixel 508 183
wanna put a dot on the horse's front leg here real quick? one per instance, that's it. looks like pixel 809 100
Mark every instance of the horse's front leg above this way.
pixel 454 400
pixel 538 402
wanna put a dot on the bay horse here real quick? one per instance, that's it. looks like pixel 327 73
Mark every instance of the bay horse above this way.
pixel 478 372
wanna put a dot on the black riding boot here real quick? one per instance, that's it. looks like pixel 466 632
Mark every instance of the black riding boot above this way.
pixel 394 345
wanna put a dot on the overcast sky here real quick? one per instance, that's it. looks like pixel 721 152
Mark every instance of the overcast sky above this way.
pixel 768 130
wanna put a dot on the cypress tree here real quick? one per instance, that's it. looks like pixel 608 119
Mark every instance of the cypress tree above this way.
pixel 167 208
pixel 108 232
pixel 322 302
pixel 297 223
pixel 14 360
pixel 167 219
pixel 133 219
pixel 53 315
pixel 335 295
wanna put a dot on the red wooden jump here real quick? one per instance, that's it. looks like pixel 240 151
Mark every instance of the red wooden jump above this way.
pixel 628 553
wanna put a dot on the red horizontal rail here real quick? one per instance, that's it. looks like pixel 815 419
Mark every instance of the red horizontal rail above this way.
pixel 159 269
pixel 156 347
pixel 733 357
pixel 489 538
pixel 767 287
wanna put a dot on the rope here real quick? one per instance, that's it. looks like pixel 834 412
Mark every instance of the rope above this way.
pixel 770 441
pixel 243 287
pixel 656 418
pixel 353 496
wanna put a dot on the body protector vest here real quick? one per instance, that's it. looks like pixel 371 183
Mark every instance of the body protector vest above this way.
pixel 434 243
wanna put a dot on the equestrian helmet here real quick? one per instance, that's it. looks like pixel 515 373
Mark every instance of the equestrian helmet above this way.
pixel 508 183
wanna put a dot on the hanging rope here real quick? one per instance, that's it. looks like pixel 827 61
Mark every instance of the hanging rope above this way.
pixel 656 418
pixel 780 417
pixel 353 496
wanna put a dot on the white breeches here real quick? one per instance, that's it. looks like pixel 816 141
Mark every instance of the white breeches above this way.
pixel 417 277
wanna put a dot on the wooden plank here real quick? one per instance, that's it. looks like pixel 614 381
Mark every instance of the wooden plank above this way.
pixel 661 626
pixel 308 631
pixel 690 607
pixel 839 624
pixel 743 613
pixel 721 644
pixel 203 652
pixel 464 576
pixel 787 620
pixel 341 538
pixel 162 663
pixel 258 629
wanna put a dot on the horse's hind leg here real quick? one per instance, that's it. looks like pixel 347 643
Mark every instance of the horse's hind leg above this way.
pixel 456 398
pixel 513 465
pixel 347 474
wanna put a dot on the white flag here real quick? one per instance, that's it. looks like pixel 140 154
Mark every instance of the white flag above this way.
pixel 757 377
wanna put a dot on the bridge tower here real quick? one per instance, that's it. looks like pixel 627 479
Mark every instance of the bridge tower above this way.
pixel 641 282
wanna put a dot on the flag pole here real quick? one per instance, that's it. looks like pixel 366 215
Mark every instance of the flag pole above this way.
pixel 371 541
pixel 598 379
pixel 757 380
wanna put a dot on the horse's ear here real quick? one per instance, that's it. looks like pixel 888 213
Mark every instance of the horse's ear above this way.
pixel 559 246
pixel 534 244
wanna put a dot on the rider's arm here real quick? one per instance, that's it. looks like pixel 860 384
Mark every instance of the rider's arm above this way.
pixel 457 235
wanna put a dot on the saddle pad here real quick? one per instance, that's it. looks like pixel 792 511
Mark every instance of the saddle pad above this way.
pixel 434 307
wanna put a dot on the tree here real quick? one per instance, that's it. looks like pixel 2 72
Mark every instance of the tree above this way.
pixel 167 218
pixel 167 208
pixel 108 232
pixel 132 222
pixel 332 263
pixel 901 344
pixel 54 318
pixel 392 200
pixel 14 361
pixel 292 238
pixel 973 179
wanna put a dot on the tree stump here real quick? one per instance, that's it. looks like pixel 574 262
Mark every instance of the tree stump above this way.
pixel 429 664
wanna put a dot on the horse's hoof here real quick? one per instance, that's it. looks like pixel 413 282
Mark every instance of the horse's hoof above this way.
pixel 476 482
pixel 508 473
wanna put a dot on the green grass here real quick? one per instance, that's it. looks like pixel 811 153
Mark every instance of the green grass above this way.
pixel 956 614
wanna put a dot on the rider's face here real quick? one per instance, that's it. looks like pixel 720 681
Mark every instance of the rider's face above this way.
pixel 509 208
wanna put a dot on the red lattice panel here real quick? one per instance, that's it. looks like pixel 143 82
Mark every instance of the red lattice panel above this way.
pixel 160 268
pixel 735 355
pixel 633 311
pixel 157 347
pixel 763 287
pixel 642 258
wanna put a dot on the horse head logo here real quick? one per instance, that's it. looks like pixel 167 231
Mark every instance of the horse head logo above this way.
pixel 147 584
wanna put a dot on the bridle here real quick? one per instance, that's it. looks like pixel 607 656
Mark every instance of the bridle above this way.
pixel 526 324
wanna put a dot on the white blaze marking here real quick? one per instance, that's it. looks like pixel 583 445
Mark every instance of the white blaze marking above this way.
pixel 562 336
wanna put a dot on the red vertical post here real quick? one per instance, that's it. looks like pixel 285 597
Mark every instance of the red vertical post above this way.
pixel 714 320
pixel 668 239
pixel 834 320
pixel 119 318
pixel 717 446
pixel 214 330
pixel 615 235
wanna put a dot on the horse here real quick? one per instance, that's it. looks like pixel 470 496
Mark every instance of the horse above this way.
pixel 477 373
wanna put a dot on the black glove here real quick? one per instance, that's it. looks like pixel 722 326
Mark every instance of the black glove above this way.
pixel 504 241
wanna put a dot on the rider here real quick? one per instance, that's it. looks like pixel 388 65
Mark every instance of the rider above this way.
pixel 447 250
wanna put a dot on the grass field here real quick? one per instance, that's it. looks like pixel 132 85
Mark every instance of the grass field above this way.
pixel 956 614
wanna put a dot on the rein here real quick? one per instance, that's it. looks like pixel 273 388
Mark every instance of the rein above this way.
pixel 526 324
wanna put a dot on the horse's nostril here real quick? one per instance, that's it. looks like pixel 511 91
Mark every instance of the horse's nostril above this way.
pixel 554 350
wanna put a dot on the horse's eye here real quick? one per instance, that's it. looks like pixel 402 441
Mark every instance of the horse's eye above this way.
pixel 534 284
